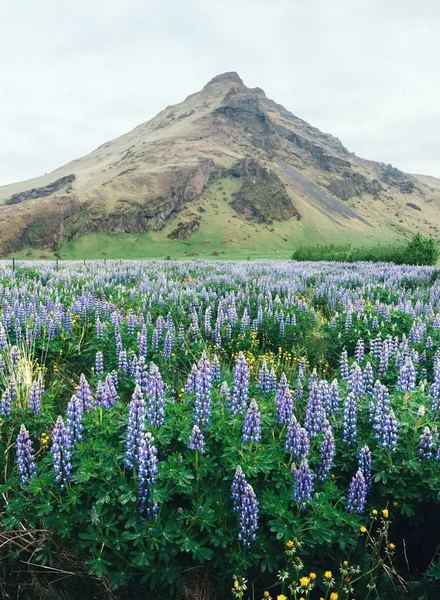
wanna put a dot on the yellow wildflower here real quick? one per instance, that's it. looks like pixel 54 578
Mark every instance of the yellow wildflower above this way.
pixel 328 575
pixel 385 513
pixel 304 581
pixel 363 529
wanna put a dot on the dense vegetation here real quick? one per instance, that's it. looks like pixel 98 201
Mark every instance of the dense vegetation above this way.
pixel 419 251
pixel 217 430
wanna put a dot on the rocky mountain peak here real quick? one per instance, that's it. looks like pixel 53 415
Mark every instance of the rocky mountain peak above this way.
pixel 230 77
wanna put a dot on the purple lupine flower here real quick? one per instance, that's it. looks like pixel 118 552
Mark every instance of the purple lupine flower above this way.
pixel 325 394
pixel 197 440
pixel 263 378
pixel 190 386
pixel 26 465
pixel 110 384
pixel 99 364
pixel 202 405
pixel 302 369
pixel 434 392
pixel 141 374
pixel 241 386
pixel 315 413
pixel 248 516
pixel 297 440
pixel 379 407
pixel 327 452
pixel 359 351
pixel 356 381
pixel 407 376
pixel 102 395
pixel 298 393
pixel 143 342
pixel 245 321
pixel 357 494
pixel 123 362
pixel 252 424
pixel 15 356
pixel 348 321
pixel 6 403
pixel 334 398
pixel 147 475
pixel 344 365
pixel 34 398
pixel 368 377
pixel 313 379
pixel 364 465
pixel 426 444
pixel 225 394
pixel 272 381
pixel 74 420
pixel 238 484
pixel 156 397
pixel 61 453
pixel 215 369
pixel 135 426
pixel 131 322
pixel 283 401
pixel 217 337
pixel 207 322
pixel 83 393
pixel 389 433
pixel 155 339
pixel 167 346
pixel 303 487
pixel 349 424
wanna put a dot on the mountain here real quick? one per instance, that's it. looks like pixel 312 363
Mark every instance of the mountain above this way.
pixel 226 162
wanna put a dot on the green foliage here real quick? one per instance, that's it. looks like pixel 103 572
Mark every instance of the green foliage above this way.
pixel 419 251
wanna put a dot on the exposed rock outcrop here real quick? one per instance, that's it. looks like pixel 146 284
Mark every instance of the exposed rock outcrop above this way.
pixel 41 192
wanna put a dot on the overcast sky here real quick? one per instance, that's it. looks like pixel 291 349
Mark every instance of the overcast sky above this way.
pixel 77 73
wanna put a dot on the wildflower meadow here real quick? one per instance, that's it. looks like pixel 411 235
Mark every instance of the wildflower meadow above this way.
pixel 212 430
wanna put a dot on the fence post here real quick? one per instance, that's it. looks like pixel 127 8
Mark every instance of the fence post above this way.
pixel 13 264
pixel 57 264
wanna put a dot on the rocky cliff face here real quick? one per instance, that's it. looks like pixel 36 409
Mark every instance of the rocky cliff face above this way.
pixel 284 169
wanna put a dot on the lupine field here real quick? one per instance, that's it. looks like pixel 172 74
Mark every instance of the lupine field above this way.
pixel 209 430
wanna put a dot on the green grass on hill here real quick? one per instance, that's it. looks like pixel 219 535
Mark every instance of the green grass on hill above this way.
pixel 222 234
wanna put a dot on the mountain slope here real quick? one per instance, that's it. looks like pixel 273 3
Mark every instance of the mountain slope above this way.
pixel 229 144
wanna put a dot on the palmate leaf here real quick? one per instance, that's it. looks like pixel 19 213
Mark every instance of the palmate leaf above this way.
pixel 280 527
pixel 141 558
pixel 98 565
pixel 320 531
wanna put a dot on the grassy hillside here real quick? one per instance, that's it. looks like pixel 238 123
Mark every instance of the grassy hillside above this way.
pixel 222 234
